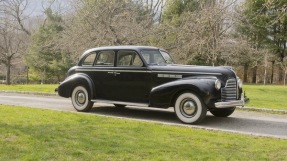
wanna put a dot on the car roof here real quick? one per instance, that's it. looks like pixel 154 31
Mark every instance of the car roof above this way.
pixel 138 48
pixel 130 47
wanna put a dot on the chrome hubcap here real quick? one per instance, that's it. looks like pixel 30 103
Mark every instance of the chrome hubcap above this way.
pixel 81 98
pixel 188 108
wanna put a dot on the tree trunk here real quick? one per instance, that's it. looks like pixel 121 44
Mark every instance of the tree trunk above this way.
pixel 8 72
pixel 285 76
pixel 245 74
pixel 254 75
pixel 27 78
pixel 281 73
pixel 272 71
pixel 265 74
pixel 281 60
pixel 265 68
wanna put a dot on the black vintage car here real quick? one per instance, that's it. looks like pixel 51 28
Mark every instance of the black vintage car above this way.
pixel 147 76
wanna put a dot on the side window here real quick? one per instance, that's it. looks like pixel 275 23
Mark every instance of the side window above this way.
pixel 129 58
pixel 158 59
pixel 89 60
pixel 146 57
pixel 105 58
pixel 153 57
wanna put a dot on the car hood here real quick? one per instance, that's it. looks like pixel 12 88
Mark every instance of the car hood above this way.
pixel 194 70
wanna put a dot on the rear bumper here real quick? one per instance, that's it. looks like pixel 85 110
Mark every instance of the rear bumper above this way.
pixel 235 103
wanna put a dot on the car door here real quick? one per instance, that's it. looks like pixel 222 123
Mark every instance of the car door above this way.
pixel 132 79
pixel 102 74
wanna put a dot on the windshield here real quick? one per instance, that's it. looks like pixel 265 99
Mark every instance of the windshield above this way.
pixel 156 57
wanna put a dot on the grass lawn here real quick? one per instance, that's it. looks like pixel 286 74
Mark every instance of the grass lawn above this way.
pixel 269 96
pixel 45 88
pixel 36 134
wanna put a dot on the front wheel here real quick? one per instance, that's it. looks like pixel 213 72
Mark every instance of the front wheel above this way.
pixel 189 108
pixel 80 99
pixel 224 112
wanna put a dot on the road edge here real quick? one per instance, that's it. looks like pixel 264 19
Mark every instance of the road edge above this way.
pixel 31 93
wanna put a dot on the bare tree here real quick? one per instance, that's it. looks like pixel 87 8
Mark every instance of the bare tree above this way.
pixel 153 7
pixel 14 9
pixel 198 36
pixel 11 44
pixel 240 52
pixel 13 33
pixel 284 67
pixel 100 23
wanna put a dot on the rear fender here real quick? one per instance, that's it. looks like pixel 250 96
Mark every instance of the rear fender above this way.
pixel 66 87
pixel 165 94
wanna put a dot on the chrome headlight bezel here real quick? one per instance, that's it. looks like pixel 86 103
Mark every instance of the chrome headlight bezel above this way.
pixel 217 84
pixel 239 83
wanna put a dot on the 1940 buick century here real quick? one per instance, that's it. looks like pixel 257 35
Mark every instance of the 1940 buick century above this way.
pixel 147 76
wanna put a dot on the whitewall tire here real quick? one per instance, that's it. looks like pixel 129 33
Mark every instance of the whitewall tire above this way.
pixel 189 108
pixel 81 99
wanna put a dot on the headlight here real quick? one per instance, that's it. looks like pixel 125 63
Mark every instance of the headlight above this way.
pixel 239 82
pixel 217 84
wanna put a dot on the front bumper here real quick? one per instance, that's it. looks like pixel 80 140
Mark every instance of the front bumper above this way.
pixel 235 103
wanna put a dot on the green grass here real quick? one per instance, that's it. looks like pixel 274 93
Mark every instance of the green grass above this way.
pixel 269 96
pixel 35 134
pixel 45 88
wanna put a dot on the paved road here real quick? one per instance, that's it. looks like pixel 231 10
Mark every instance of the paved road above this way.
pixel 240 122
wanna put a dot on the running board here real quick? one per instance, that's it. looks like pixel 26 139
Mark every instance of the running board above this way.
pixel 120 102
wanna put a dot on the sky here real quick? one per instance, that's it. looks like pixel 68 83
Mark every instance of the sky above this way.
pixel 36 7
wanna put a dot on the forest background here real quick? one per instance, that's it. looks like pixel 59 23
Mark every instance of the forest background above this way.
pixel 41 40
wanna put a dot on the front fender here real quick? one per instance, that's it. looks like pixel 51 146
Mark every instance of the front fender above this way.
pixel 66 87
pixel 165 94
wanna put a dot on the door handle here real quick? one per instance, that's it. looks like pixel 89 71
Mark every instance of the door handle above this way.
pixel 116 73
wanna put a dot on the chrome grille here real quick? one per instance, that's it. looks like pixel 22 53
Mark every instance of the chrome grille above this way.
pixel 229 92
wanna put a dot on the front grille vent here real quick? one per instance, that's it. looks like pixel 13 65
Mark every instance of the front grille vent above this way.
pixel 229 92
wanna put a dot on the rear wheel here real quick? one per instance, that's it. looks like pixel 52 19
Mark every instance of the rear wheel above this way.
pixel 224 112
pixel 189 108
pixel 81 99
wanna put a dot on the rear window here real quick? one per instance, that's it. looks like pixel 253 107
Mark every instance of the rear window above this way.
pixel 89 60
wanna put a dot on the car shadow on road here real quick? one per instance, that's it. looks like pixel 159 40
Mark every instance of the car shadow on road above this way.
pixel 137 113
pixel 160 115
pixel 231 123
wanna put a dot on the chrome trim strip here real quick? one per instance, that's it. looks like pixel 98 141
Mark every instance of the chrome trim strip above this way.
pixel 144 71
pixel 98 70
pixel 179 72
pixel 169 76
pixel 119 102
pixel 229 104
pixel 93 70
